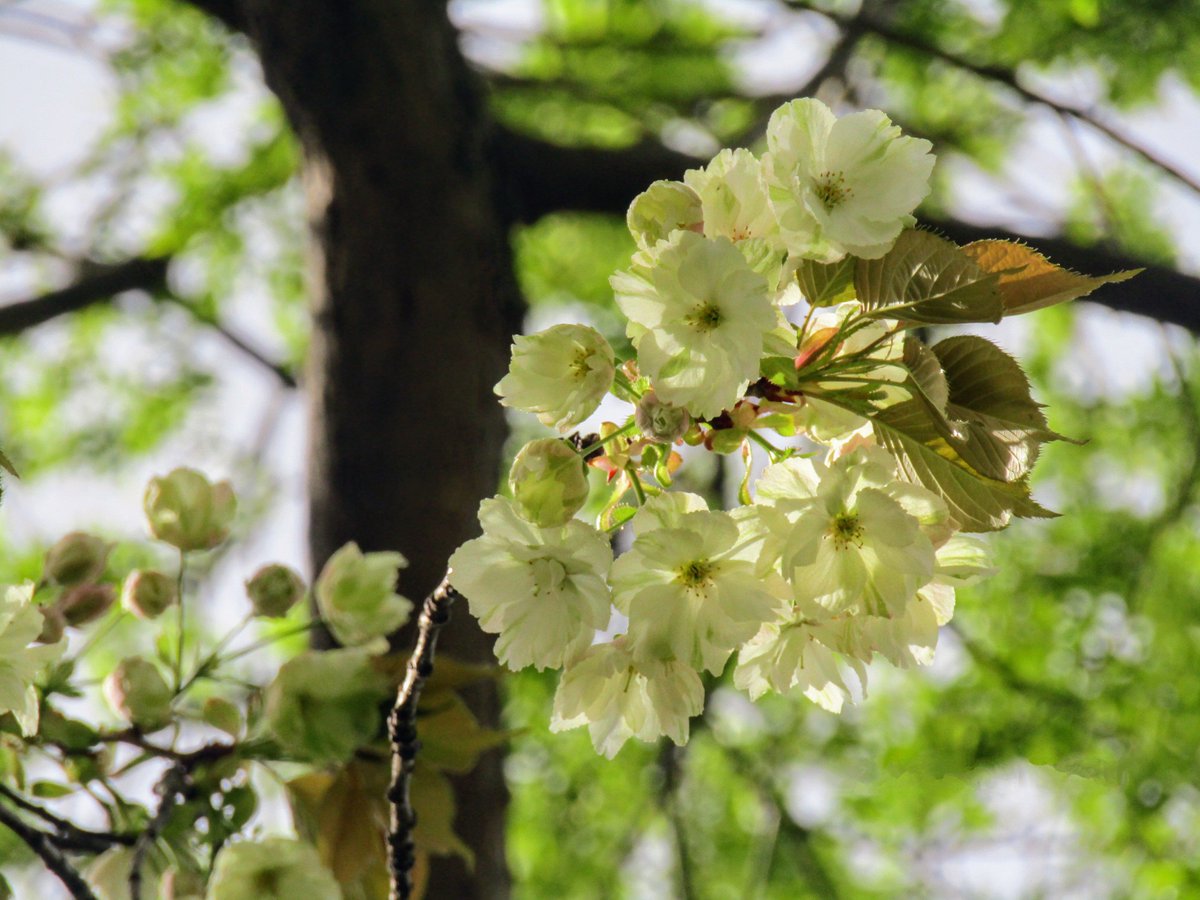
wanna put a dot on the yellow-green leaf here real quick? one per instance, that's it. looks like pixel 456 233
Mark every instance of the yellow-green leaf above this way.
pixel 826 284
pixel 451 737
pixel 1028 281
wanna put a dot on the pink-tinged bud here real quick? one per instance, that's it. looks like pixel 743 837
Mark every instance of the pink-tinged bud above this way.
pixel 77 558
pixel 661 422
pixel 53 625
pixel 186 510
pixel 86 603
pixel 138 693
pixel 274 589
pixel 148 594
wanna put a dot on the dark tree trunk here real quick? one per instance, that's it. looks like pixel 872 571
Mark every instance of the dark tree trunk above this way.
pixel 413 306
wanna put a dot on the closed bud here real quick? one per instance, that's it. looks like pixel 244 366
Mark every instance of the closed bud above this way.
pixel 223 715
pixel 186 510
pixel 274 589
pixel 77 558
pixel 661 422
pixel 86 603
pixel 138 693
pixel 53 625
pixel 181 884
pixel 148 594
pixel 549 482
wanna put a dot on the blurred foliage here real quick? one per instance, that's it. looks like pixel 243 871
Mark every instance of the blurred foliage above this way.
pixel 1058 733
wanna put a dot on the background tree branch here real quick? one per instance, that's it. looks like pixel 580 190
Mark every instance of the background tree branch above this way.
pixel 543 178
pixel 97 284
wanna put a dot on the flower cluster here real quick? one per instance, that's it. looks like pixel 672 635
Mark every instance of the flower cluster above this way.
pixel 770 304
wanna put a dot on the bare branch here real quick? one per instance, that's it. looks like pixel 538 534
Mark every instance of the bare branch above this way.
pixel 67 835
pixel 43 845
pixel 543 178
pixel 172 789
pixel 402 729
pixel 239 343
pixel 99 285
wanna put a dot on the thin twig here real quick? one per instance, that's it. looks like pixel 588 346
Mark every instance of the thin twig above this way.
pixel 174 785
pixel 67 835
pixel 1008 78
pixel 402 730
pixel 43 845
pixel 235 340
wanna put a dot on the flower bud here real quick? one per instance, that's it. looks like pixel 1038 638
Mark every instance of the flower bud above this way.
pixel 187 511
pixel 223 715
pixel 661 422
pixel 356 595
pixel 181 884
pixel 76 558
pixel 86 603
pixel 274 589
pixel 139 693
pixel 148 594
pixel 53 625
pixel 549 482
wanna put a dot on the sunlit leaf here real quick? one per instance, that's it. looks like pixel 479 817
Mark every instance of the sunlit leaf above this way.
pixel 1028 281
pixel 927 279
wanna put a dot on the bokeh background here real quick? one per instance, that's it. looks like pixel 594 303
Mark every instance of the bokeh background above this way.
pixel 155 283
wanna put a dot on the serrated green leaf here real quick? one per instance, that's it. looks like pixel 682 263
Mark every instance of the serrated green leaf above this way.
pixel 826 284
pixel 928 451
pixel 1027 281
pixel 927 279
pixel 1002 426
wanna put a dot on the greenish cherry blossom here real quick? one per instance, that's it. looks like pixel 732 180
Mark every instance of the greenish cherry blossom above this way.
pixel 689 588
pixel 137 691
pixel 20 664
pixel 841 186
pixel 662 209
pixel 698 316
pixel 275 868
pixel 619 696
pixel 560 374
pixel 186 510
pixel 356 595
pixel 542 590
pixel 848 539
pixel 792 655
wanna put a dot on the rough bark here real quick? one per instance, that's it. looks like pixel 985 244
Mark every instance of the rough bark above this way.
pixel 413 307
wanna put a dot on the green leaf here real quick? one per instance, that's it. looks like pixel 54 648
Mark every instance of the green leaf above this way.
pixel 50 790
pixel 451 737
pixel 7 465
pixel 1028 281
pixel 926 371
pixel 928 450
pixel 827 284
pixel 927 279
pixel 1003 428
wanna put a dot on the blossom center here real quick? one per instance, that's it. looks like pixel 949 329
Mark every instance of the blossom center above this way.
pixel 580 365
pixel 548 576
pixel 845 530
pixel 695 574
pixel 705 317
pixel 832 190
